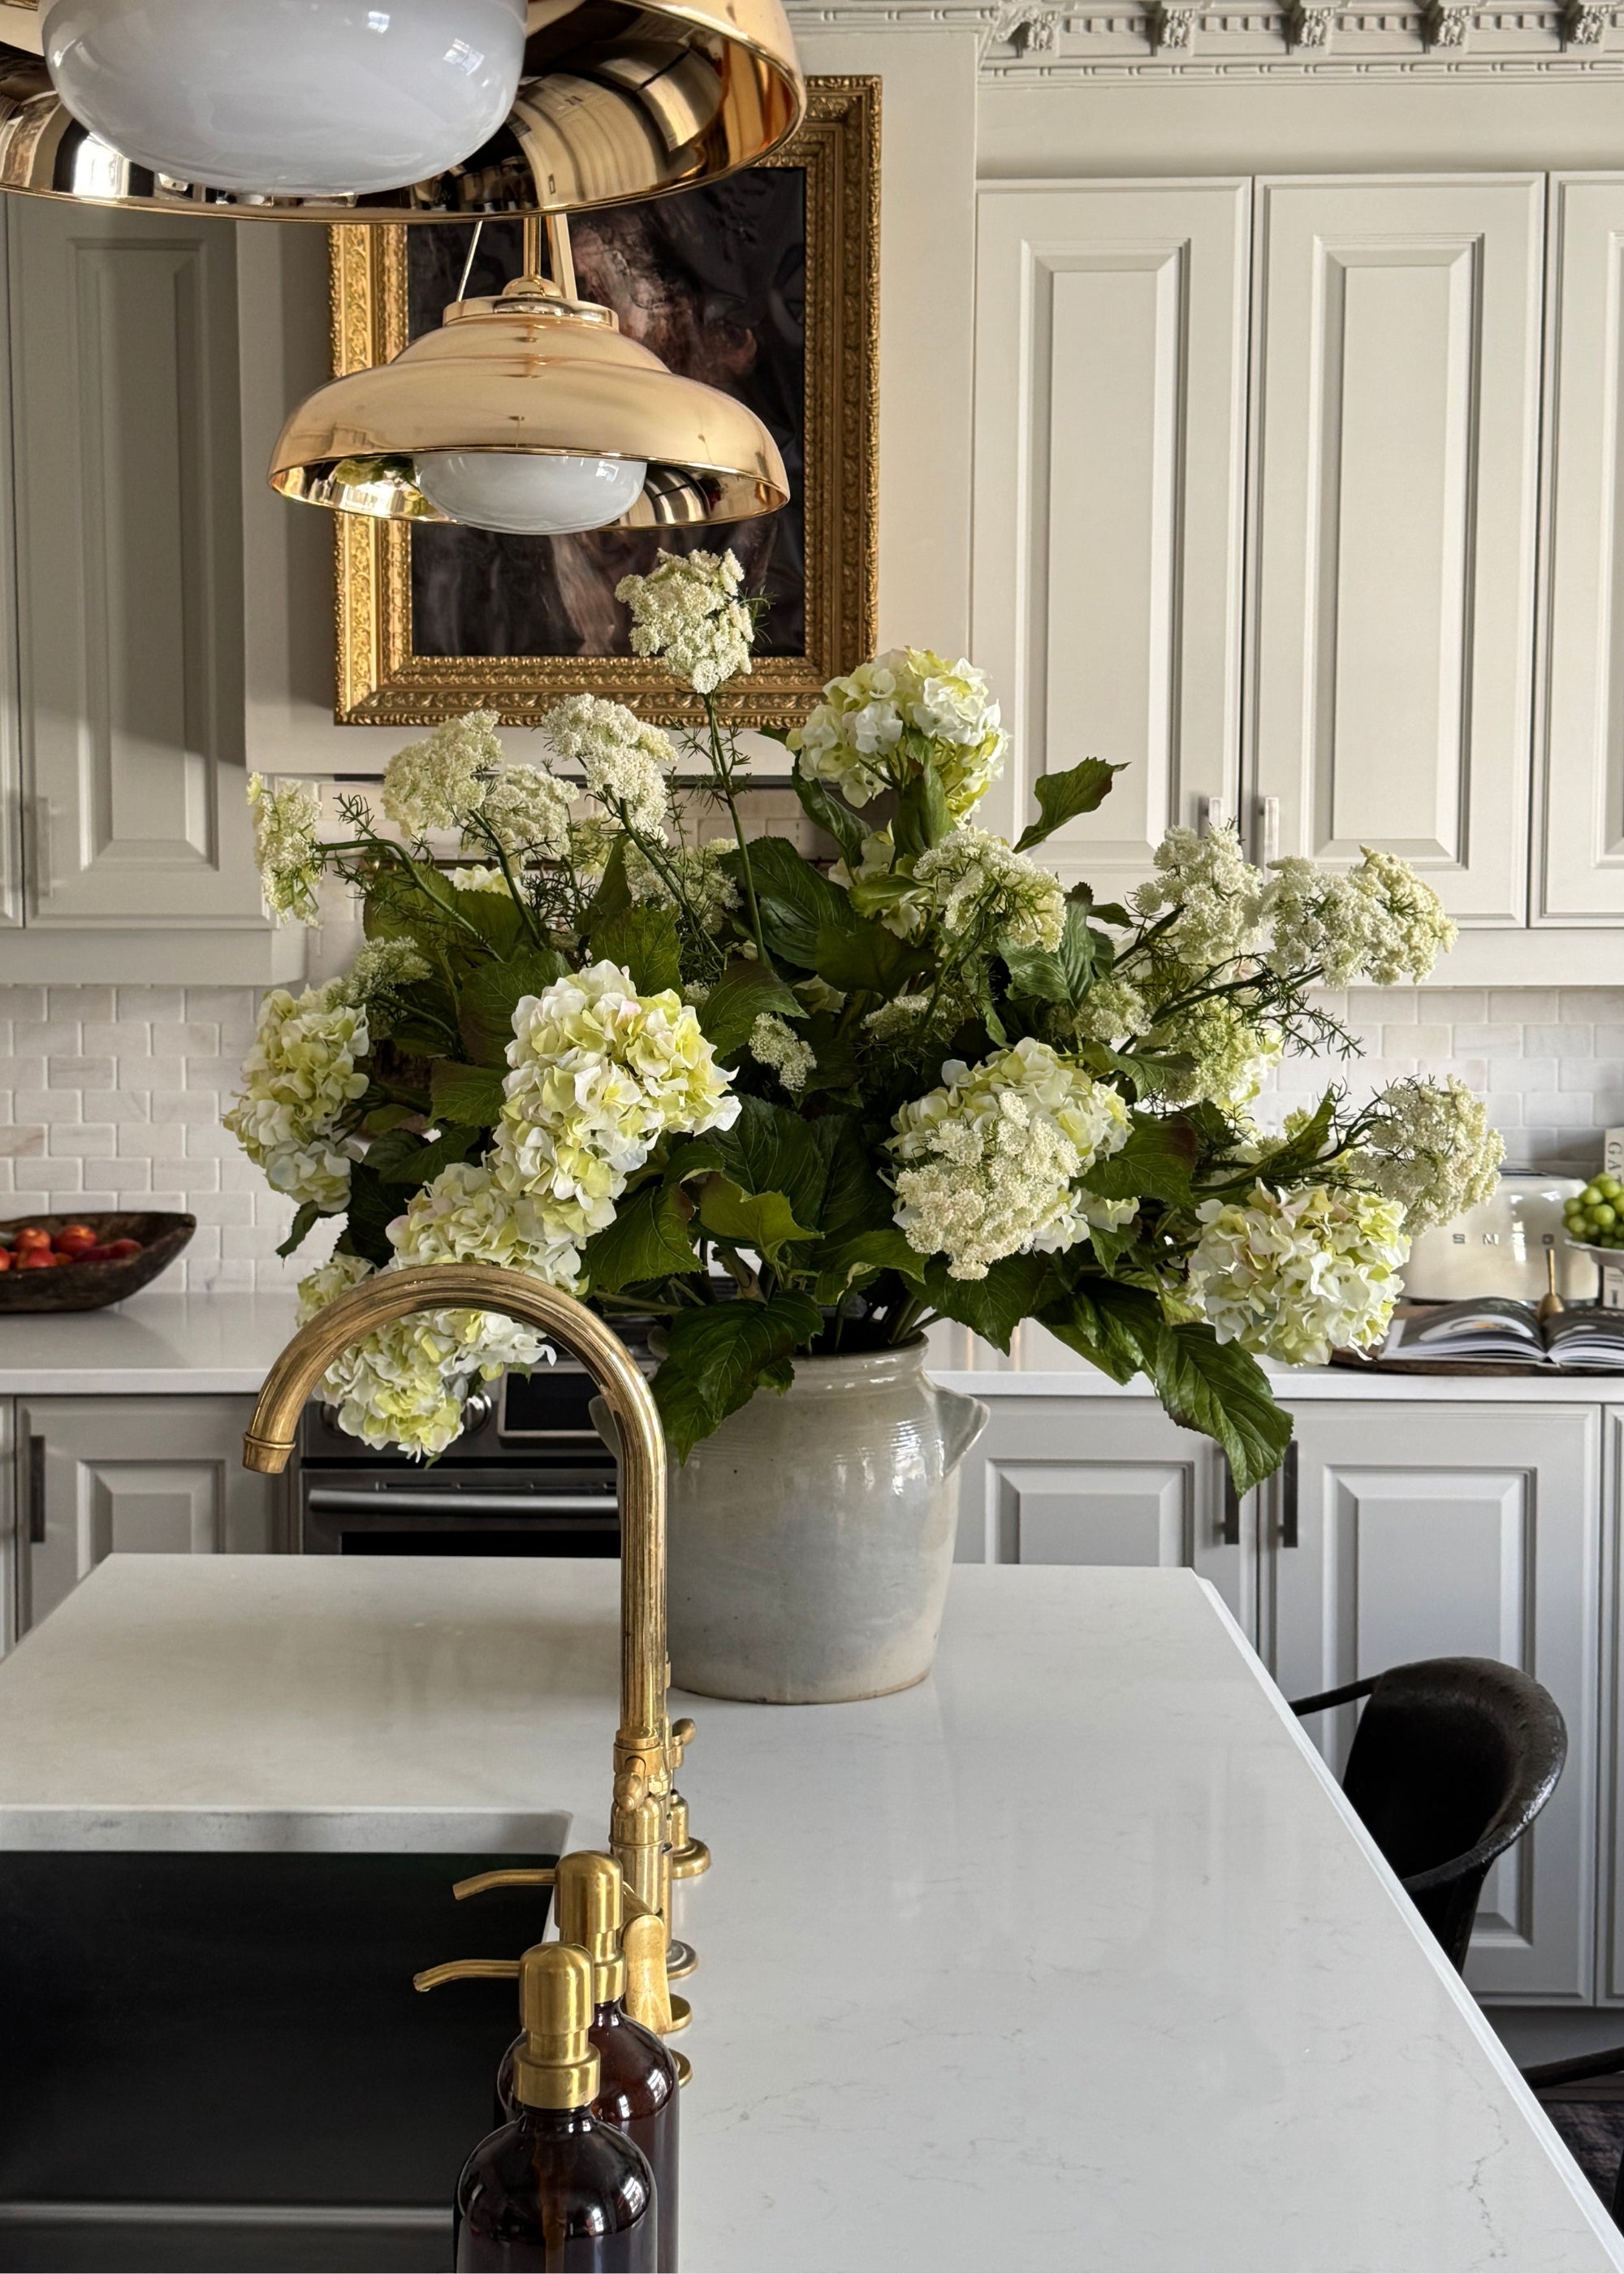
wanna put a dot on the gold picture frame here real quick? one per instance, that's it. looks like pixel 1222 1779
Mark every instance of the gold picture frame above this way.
pixel 381 679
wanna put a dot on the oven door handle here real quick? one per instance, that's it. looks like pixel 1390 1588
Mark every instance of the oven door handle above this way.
pixel 320 1499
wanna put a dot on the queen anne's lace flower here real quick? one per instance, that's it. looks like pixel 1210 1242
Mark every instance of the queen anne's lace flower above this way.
pixel 696 870
pixel 1111 1011
pixel 297 1080
pixel 688 612
pixel 1212 892
pixel 1233 1055
pixel 464 1216
pixel 600 1073
pixel 775 1043
pixel 437 783
pixel 991 1159
pixel 974 884
pixel 889 720
pixel 1430 1149
pixel 1379 921
pixel 404 1384
pixel 377 982
pixel 1293 1275
pixel 290 861
pixel 625 763
pixel 527 812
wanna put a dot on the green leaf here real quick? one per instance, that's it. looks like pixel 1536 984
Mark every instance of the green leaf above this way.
pixel 922 818
pixel 763 1221
pixel 743 993
pixel 373 1207
pixel 495 917
pixel 768 1149
pixel 402 1158
pixel 613 893
pixel 648 1239
pixel 1154 1164
pixel 468 1095
pixel 1061 797
pixel 1035 975
pixel 795 899
pixel 1119 1330
pixel 308 1214
pixel 717 1357
pixel 863 958
pixel 992 1307
pixel 383 1118
pixel 854 1198
pixel 860 1257
pixel 489 996
pixel 1219 1389
pixel 642 941
pixel 831 814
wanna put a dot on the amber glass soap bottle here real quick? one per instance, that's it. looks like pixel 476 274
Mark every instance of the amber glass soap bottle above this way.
pixel 555 2191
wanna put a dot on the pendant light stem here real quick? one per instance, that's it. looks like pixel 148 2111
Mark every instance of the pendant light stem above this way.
pixel 468 266
pixel 561 260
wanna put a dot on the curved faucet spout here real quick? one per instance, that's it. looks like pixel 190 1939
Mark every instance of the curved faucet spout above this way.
pixel 642 1742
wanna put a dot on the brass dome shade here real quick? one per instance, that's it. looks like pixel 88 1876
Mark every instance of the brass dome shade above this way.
pixel 532 372
pixel 616 102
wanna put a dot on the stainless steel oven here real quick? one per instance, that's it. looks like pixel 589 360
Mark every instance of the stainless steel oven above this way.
pixel 528 1476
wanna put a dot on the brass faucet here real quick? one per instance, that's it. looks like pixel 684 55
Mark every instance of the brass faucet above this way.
pixel 645 1751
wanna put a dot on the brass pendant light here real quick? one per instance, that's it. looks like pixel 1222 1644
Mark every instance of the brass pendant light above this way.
pixel 616 102
pixel 545 385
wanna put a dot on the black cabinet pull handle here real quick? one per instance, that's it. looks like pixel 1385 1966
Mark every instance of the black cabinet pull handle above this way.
pixel 1230 1529
pixel 1288 1498
pixel 36 1492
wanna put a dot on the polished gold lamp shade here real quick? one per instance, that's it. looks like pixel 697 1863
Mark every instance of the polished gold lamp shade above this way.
pixel 532 371
pixel 615 103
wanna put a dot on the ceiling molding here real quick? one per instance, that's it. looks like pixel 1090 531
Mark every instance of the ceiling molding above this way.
pixel 1031 43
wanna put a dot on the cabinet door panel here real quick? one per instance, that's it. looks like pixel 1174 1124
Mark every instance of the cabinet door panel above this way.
pixel 1439 1532
pixel 1395 396
pixel 1109 499
pixel 1076 1480
pixel 132 1476
pixel 1581 784
pixel 129 544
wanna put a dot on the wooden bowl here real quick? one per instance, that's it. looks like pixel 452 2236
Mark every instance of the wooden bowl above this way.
pixel 92 1286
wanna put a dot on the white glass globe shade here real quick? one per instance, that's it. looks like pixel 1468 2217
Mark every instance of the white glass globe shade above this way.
pixel 308 98
pixel 529 496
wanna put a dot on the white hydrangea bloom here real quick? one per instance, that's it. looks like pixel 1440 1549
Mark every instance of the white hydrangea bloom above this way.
pixel 1378 922
pixel 774 1043
pixel 907 709
pixel 1234 1055
pixel 527 812
pixel 625 763
pixel 286 851
pixel 297 1080
pixel 1216 894
pixel 687 611
pixel 1293 1275
pixel 600 1073
pixel 437 783
pixel 990 1160
pixel 464 1216
pixel 709 892
pixel 1432 1150
pixel 974 878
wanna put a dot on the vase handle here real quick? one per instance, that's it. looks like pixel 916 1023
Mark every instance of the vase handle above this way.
pixel 963 1420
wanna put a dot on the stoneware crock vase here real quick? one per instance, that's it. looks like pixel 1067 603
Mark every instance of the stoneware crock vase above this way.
pixel 812 1535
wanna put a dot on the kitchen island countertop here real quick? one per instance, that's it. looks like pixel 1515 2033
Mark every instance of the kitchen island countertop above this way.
pixel 1071 1957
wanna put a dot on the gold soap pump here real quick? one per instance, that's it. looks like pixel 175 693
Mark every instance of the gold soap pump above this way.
pixel 647 1749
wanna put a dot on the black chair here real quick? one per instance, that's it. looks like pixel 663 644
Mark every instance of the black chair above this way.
pixel 1578 2071
pixel 1453 1759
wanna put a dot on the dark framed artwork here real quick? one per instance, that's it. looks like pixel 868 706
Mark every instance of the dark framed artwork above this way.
pixel 765 285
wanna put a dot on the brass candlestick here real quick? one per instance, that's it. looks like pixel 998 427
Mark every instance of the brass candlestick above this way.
pixel 645 1753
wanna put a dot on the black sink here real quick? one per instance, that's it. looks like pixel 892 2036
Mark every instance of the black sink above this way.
pixel 219 2061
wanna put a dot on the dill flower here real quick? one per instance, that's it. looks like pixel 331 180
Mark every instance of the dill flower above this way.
pixel 437 783
pixel 688 613
pixel 289 858
pixel 1379 921
pixel 991 1159
pixel 1212 892
pixel 886 722
pixel 1430 1148
pixel 1293 1275
pixel 972 877
pixel 527 812
pixel 298 1080
pixel 774 1043
pixel 624 762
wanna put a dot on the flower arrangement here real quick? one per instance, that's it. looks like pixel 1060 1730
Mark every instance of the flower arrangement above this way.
pixel 788 1107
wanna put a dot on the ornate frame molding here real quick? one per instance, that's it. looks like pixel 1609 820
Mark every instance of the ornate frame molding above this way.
pixel 381 681
pixel 1026 42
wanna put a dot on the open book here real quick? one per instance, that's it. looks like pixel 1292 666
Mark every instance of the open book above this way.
pixel 1497 1330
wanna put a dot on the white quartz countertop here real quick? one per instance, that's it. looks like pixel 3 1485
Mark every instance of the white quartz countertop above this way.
pixel 166 1344
pixel 1071 1957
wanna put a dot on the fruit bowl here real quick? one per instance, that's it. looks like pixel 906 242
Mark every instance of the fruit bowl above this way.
pixel 1593 1219
pixel 85 1286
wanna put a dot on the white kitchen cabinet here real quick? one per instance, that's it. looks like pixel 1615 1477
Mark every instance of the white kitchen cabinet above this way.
pixel 1435 1530
pixel 100 1476
pixel 1082 1480
pixel 1110 500
pixel 1396 408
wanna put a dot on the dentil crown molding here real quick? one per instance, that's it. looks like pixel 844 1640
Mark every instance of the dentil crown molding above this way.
pixel 1029 42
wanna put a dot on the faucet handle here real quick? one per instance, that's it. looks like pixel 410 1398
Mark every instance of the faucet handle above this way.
pixel 482 1882
pixel 648 1993
pixel 467 1970
pixel 682 1735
